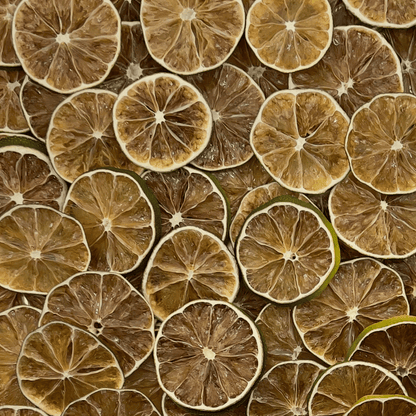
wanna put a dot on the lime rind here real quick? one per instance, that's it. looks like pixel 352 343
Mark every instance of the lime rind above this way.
pixel 382 398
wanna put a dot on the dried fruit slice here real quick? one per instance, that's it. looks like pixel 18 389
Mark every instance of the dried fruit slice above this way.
pixel 374 224
pixel 284 389
pixel 381 143
pixel 129 10
pixel 188 264
pixel 9 299
pixel 27 176
pixel 59 364
pixel 235 100
pixel 112 402
pixel 342 385
pixel 358 65
pixel 120 217
pixel 304 149
pixel 20 411
pixel 384 406
pixel 248 301
pixel 67 48
pixel 289 36
pixel 15 324
pixel 81 135
pixel 362 292
pixel 287 251
pixel 8 55
pixel 108 306
pixel 341 16
pixel 390 344
pixel 162 122
pixel 40 248
pixel 190 37
pixel 208 355
pixel 189 197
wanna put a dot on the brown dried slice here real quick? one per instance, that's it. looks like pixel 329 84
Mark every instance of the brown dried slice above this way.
pixel 60 363
pixel 15 324
pixel 248 301
pixel 81 135
pixel 188 264
pixel 384 405
pixel 108 306
pixel 189 197
pixel 9 299
pixel 289 36
pixel 20 411
pixel 120 217
pixel 208 355
pixel 299 137
pixel 374 224
pixel 67 47
pixel 129 10
pixel 8 55
pixel 235 100
pixel 340 14
pixel 27 176
pixel 358 65
pixel 342 385
pixel 188 37
pixel 112 402
pixel 284 389
pixel 40 248
pixel 362 292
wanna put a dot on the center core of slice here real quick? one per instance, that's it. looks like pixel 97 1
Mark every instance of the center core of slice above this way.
pixel 107 224
pixel 134 72
pixel 352 313
pixel 176 219
pixel 159 116
pixel 35 254
pixel 290 26
pixel 345 86
pixel 188 14
pixel 300 142
pixel 17 197
pixel 396 145
pixel 63 38
pixel 208 353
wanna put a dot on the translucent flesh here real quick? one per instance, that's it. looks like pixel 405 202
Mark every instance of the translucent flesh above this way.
pixel 393 405
pixel 189 266
pixel 100 197
pixel 355 298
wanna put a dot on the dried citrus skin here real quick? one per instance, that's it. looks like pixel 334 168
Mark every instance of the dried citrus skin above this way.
pixel 190 37
pixel 20 411
pixel 384 406
pixel 67 48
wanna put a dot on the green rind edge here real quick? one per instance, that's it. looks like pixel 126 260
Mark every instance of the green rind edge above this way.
pixel 23 141
pixel 382 396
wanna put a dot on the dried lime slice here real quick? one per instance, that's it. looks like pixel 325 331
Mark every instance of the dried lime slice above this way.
pixel 20 411
pixel 385 405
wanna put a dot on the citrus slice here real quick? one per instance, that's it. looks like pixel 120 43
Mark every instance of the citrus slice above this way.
pixel 235 100
pixel 374 224
pixel 12 119
pixel 81 135
pixel 249 302
pixel 27 176
pixel 381 143
pixel 134 61
pixel 362 292
pixel 358 65
pixel 40 248
pixel 236 182
pixel 38 105
pixel 287 251
pixel 208 355
pixel 9 299
pixel 254 199
pixel 190 37
pixel 59 364
pixel 129 10
pixel 342 385
pixel 188 264
pixel 384 406
pixel 189 197
pixel 67 48
pixel 8 55
pixel 162 122
pixel 106 305
pixel 268 79
pixel 390 344
pixel 303 149
pixel 20 135
pixel 289 36
pixel 286 387
pixel 384 13
pixel 247 4
pixel 341 16
pixel 281 338
pixel 15 324
pixel 20 411
pixel 119 215
pixel 112 402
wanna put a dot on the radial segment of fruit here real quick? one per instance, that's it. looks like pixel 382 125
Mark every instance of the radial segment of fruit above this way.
pixel 372 223
pixel 385 405
pixel 287 251
pixel 40 248
pixel 110 308
pixel 299 137
pixel 162 122
pixel 59 364
pixel 8 55
pixel 118 216
pixel 358 65
pixel 191 36
pixel 69 46
pixel 362 292
pixel 189 264
pixel 20 411
pixel 289 36
pixel 208 355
